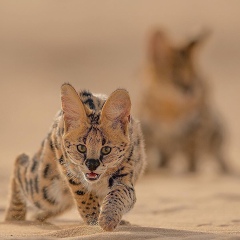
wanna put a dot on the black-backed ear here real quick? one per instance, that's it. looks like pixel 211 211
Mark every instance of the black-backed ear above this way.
pixel 194 43
pixel 159 49
pixel 73 110
pixel 116 110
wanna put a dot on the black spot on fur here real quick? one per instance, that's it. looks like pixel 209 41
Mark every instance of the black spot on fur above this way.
pixel 72 182
pixel 34 165
pixel 130 154
pixel 115 176
pixel 36 184
pixel 59 132
pixel 110 182
pixel 80 192
pixel 31 186
pixel 51 145
pixel 37 204
pixel 56 143
pixel 46 171
pixel 55 124
pixel 61 160
pixel 83 202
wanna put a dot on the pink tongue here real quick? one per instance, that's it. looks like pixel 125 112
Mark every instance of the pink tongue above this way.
pixel 92 174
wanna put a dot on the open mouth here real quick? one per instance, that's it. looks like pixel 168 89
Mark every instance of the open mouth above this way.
pixel 92 176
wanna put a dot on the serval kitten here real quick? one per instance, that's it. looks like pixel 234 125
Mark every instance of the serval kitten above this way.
pixel 175 111
pixel 92 156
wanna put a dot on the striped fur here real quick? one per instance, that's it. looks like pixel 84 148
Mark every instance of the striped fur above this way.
pixel 92 157
pixel 175 112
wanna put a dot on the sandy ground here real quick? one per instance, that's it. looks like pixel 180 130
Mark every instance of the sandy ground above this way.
pixel 100 45
pixel 176 207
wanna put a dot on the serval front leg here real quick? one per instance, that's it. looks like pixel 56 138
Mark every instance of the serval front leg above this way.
pixel 17 206
pixel 87 203
pixel 117 202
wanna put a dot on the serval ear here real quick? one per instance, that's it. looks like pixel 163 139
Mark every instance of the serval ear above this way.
pixel 159 48
pixel 116 111
pixel 73 110
pixel 194 43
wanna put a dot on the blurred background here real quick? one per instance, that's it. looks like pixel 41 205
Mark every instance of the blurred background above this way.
pixel 100 46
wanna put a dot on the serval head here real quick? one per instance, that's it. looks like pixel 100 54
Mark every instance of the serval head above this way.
pixel 93 147
pixel 173 63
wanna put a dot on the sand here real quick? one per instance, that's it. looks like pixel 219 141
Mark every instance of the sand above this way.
pixel 168 207
pixel 100 46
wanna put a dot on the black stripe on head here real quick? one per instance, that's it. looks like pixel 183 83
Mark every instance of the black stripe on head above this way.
pixel 90 103
pixel 94 118
pixel 103 140
pixel 85 93
pixel 84 138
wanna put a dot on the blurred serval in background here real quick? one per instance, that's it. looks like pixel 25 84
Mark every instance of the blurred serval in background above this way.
pixel 175 111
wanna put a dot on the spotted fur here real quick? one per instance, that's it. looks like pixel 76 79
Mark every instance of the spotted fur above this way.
pixel 92 157
pixel 175 110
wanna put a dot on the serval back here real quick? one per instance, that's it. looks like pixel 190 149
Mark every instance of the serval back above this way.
pixel 92 158
pixel 175 111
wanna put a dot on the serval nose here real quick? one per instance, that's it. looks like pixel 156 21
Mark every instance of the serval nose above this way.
pixel 92 164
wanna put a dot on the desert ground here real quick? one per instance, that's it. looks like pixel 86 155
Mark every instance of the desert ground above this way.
pixel 100 46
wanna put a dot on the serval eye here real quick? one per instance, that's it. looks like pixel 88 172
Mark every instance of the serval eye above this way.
pixel 106 150
pixel 81 148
